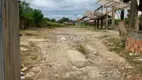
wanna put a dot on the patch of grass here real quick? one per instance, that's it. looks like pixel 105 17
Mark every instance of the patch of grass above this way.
pixel 116 45
pixel 103 37
pixel 34 58
pixel 97 30
pixel 53 25
pixel 82 49
pixel 30 34
pixel 31 56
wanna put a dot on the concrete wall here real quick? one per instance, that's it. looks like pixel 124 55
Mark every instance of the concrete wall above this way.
pixel 134 42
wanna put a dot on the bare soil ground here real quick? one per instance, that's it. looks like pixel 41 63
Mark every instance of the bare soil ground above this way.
pixel 70 54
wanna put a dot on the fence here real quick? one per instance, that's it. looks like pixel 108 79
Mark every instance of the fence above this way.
pixel 9 40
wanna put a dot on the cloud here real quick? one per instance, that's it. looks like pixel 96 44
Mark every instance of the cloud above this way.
pixel 63 8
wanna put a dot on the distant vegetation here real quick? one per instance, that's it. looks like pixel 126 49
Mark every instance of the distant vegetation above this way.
pixel 53 24
pixel 34 18
pixel 64 19
pixel 29 17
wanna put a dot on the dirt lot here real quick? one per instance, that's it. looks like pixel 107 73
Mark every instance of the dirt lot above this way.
pixel 70 54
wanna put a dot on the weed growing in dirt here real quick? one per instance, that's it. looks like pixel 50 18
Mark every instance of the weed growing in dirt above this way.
pixel 30 55
pixel 30 34
pixel 82 49
pixel 116 45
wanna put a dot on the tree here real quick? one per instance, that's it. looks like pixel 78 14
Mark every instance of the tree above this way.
pixel 53 20
pixel 46 19
pixel 38 17
pixel 64 19
pixel 30 17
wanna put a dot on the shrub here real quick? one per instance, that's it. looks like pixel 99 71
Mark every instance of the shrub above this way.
pixel 53 24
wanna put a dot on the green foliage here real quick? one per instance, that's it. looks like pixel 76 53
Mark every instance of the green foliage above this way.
pixel 64 19
pixel 26 15
pixel 115 44
pixel 53 20
pixel 127 21
pixel 117 21
pixel 53 24
pixel 23 8
pixel 30 17
pixel 82 49
pixel 46 19
pixel 38 17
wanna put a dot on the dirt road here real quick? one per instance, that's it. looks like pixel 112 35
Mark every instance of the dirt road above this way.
pixel 70 54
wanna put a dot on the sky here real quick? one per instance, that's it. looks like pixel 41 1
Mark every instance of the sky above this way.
pixel 63 8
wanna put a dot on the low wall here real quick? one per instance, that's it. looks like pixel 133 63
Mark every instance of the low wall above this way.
pixel 134 42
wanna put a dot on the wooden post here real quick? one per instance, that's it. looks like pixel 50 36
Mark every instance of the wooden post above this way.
pixel 113 17
pixel 9 40
pixel 102 23
pixel 94 23
pixel 122 14
pixel 97 23
pixel 107 18
pixel 134 22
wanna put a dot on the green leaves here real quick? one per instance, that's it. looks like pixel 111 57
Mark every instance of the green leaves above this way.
pixel 64 19
pixel 31 17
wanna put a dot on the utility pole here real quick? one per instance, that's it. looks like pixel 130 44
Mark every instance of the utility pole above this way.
pixel 9 40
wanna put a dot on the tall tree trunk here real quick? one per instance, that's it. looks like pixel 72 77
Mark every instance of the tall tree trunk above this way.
pixel 134 22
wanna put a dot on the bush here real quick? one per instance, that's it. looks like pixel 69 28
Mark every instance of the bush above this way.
pixel 117 21
pixel 127 21
pixel 29 17
pixel 53 24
